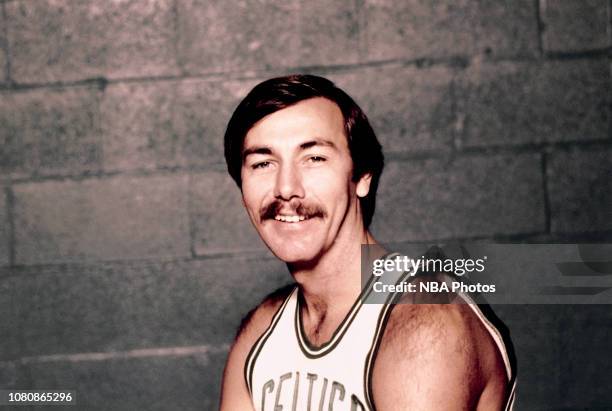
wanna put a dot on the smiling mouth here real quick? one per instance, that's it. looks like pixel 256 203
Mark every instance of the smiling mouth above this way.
pixel 291 212
pixel 290 218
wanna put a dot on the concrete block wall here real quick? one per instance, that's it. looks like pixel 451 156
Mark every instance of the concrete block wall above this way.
pixel 126 260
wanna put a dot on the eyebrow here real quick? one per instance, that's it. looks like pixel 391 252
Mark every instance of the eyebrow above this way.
pixel 256 150
pixel 317 142
pixel 265 150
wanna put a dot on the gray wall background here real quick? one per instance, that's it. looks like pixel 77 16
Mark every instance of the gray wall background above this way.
pixel 126 259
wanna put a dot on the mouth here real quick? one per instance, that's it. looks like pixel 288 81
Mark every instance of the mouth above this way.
pixel 290 218
pixel 291 213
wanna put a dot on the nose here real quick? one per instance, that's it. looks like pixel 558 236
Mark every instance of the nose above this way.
pixel 288 183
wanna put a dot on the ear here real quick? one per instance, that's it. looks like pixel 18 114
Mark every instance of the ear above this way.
pixel 363 185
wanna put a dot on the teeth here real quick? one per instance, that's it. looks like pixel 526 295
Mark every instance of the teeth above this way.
pixel 289 218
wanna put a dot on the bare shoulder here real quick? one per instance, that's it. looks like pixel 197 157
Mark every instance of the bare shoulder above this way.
pixel 437 356
pixel 257 321
pixel 234 392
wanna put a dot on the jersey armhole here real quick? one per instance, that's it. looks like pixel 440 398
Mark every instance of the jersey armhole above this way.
pixel 381 325
pixel 249 363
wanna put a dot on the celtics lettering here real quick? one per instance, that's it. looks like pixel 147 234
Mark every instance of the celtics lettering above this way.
pixel 321 394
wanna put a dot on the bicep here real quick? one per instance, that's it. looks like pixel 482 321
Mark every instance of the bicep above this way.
pixel 428 366
pixel 234 392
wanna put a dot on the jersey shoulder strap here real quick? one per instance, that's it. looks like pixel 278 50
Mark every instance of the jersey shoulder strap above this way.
pixel 251 358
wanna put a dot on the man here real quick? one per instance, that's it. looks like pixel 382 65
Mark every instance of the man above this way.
pixel 308 164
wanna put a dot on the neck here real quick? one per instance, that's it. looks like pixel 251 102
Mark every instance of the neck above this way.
pixel 333 283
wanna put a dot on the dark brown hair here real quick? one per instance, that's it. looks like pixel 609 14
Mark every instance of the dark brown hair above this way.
pixel 281 92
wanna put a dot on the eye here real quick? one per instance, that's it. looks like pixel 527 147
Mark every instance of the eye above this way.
pixel 262 164
pixel 316 159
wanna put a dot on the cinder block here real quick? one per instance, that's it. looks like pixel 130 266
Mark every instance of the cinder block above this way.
pixel 539 357
pixel 13 375
pixel 536 333
pixel 67 40
pixel 520 317
pixel 580 190
pixel 254 35
pixel 220 221
pixel 122 306
pixel 3 59
pixel 189 382
pixel 586 361
pixel 328 32
pixel 3 77
pixel 420 28
pixel 470 196
pixel 249 35
pixel 8 375
pixel 10 325
pixel 410 109
pixel 575 25
pixel 50 131
pixel 168 124
pixel 591 316
pixel 517 103
pixel 108 219
pixel 4 228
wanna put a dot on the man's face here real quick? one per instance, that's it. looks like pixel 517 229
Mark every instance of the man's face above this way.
pixel 296 180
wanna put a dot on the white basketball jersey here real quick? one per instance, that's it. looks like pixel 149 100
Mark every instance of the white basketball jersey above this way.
pixel 283 372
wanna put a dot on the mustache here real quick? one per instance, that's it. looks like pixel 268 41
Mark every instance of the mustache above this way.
pixel 271 210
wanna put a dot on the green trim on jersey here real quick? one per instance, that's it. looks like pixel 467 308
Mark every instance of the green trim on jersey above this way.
pixel 313 352
pixel 249 364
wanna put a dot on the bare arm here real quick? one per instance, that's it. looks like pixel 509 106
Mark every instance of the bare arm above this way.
pixel 234 392
pixel 435 357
